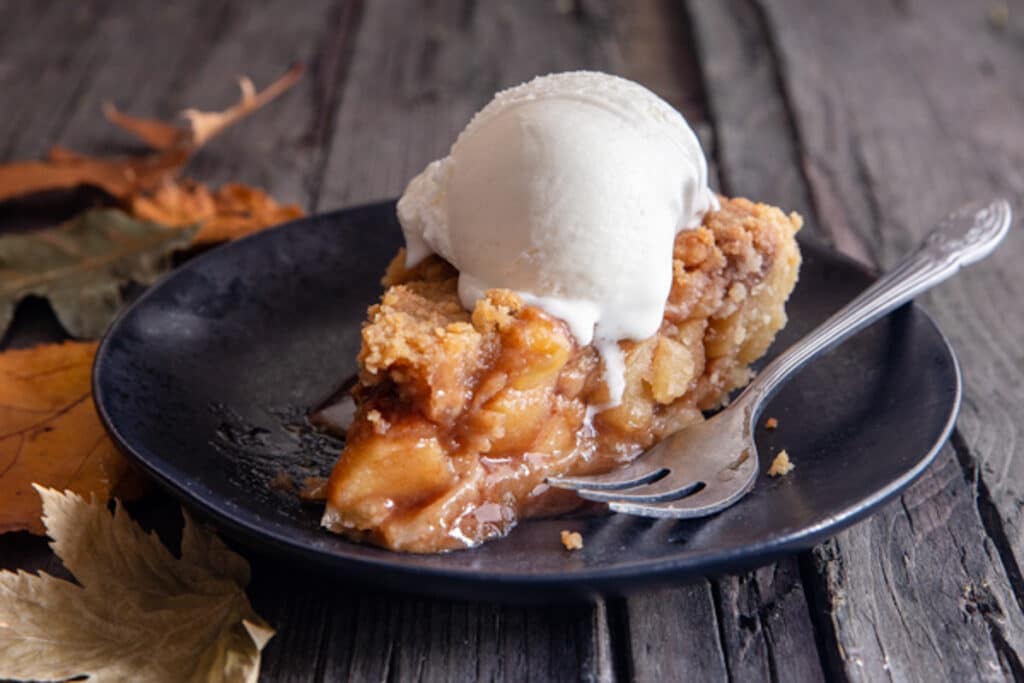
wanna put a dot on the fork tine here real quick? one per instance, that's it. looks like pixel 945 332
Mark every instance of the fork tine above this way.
pixel 700 504
pixel 634 475
pixel 667 489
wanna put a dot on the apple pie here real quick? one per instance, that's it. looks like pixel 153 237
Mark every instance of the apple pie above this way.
pixel 462 415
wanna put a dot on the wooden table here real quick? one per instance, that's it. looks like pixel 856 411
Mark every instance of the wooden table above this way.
pixel 870 118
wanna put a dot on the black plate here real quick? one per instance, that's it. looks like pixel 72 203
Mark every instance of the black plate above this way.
pixel 206 379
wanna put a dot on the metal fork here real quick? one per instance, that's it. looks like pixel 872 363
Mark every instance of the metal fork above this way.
pixel 707 467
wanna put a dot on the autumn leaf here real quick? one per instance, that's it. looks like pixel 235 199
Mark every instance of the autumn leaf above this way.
pixel 82 265
pixel 203 125
pixel 232 211
pixel 157 134
pixel 120 177
pixel 137 612
pixel 50 432
pixel 126 177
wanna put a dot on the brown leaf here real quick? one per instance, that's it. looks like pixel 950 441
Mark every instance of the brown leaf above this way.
pixel 81 266
pixel 203 125
pixel 156 134
pixel 232 211
pixel 50 433
pixel 207 124
pixel 125 177
pixel 121 177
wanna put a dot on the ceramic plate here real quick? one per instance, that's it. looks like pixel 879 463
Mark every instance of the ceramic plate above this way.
pixel 206 380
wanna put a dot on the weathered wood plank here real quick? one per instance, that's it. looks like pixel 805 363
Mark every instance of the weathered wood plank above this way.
pixel 396 637
pixel 653 43
pixel 897 586
pixel 420 71
pixel 754 142
pixel 157 60
pixel 942 129
pixel 192 56
pixel 766 630
pixel 889 138
pixel 282 148
pixel 674 635
pixel 46 61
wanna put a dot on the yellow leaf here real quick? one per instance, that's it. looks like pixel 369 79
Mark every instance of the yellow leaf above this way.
pixel 137 613
pixel 50 433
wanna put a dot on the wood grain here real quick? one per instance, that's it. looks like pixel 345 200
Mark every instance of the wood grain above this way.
pixel 673 635
pixel 871 119
pixel 887 139
pixel 754 146
pixel 43 73
pixel 765 625
pixel 402 107
pixel 766 628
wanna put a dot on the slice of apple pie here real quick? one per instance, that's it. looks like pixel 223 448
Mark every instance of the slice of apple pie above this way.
pixel 462 415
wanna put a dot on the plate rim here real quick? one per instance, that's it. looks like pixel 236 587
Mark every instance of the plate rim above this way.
pixel 454 580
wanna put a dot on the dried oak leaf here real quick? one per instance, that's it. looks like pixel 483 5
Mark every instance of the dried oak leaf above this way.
pixel 82 265
pixel 138 613
pixel 121 177
pixel 203 125
pixel 157 134
pixel 125 177
pixel 50 433
pixel 232 211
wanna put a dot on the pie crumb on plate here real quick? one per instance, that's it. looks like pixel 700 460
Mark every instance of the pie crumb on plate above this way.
pixel 781 465
pixel 572 540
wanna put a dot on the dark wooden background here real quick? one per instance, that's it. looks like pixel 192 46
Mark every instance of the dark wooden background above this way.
pixel 871 118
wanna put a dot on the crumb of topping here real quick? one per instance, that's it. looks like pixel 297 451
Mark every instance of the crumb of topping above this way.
pixel 380 425
pixel 781 465
pixel 738 292
pixel 572 540
pixel 771 423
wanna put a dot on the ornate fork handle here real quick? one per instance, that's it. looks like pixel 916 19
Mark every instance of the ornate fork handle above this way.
pixel 963 237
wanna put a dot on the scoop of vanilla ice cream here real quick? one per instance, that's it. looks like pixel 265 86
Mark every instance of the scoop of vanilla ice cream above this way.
pixel 569 190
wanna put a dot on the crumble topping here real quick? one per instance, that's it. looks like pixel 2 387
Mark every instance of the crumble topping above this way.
pixel 572 540
pixel 781 465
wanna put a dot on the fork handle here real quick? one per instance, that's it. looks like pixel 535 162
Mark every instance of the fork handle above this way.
pixel 967 235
